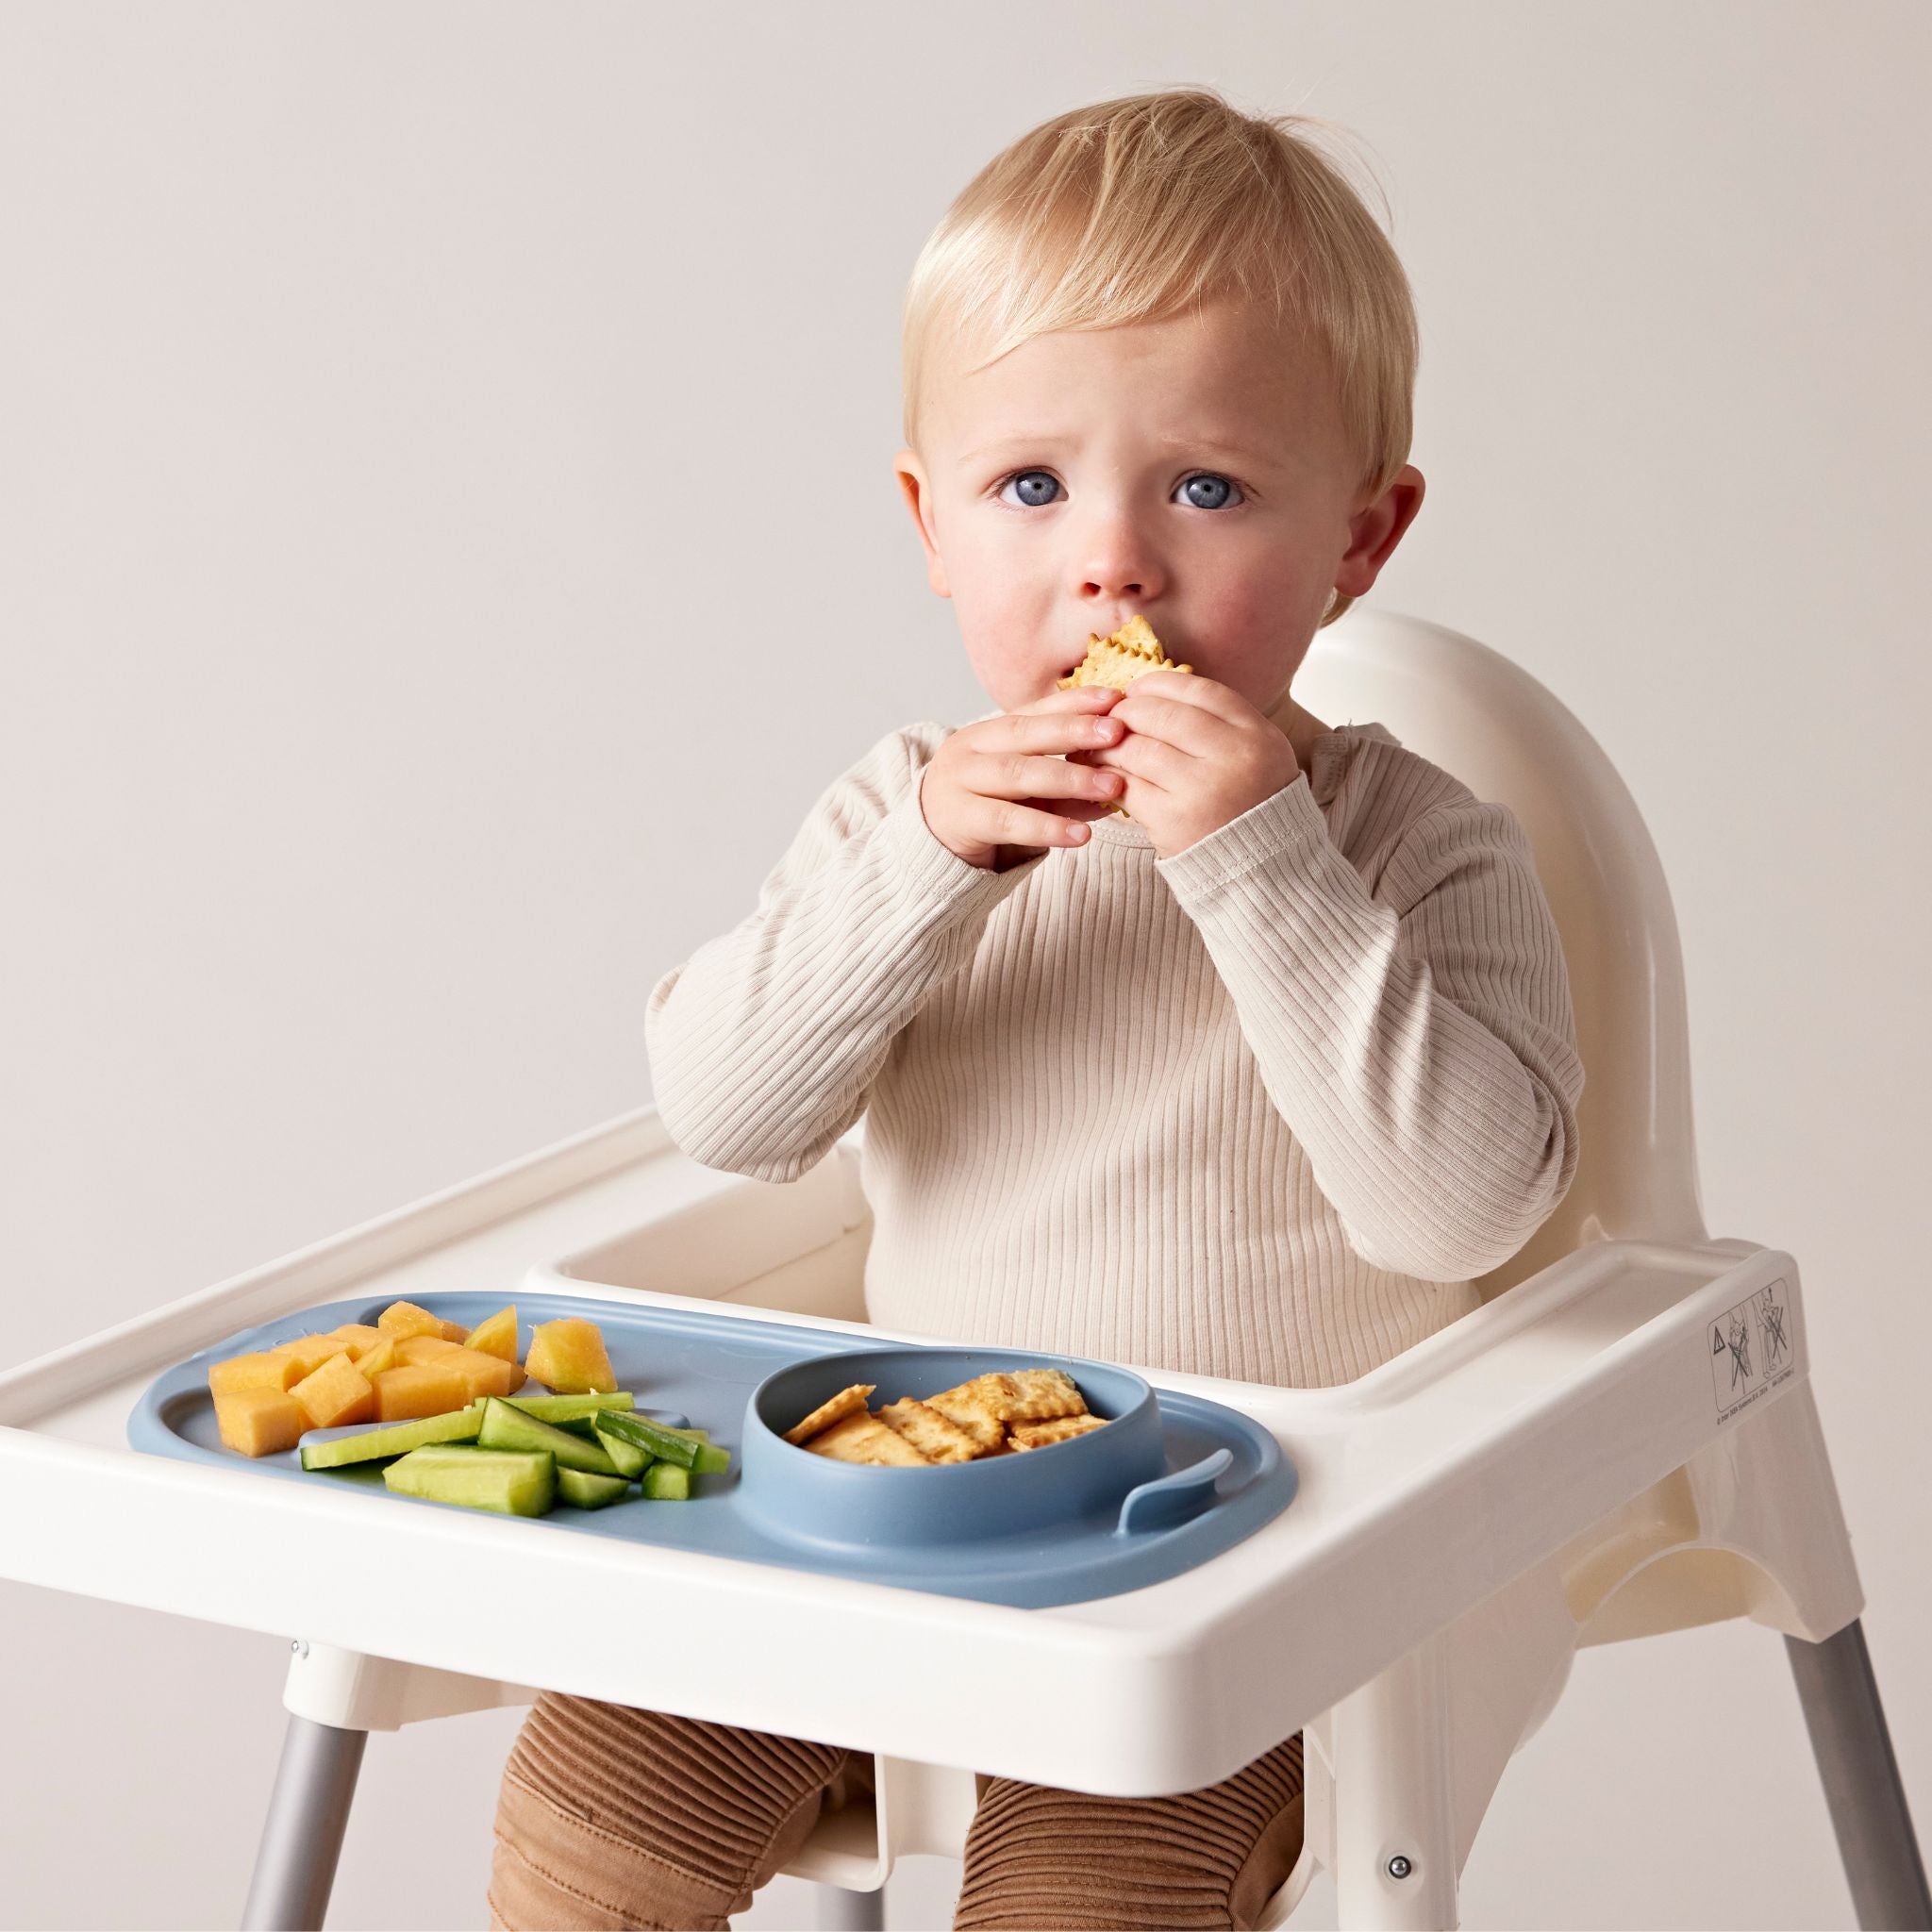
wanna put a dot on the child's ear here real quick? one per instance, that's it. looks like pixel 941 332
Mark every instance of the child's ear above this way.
pixel 1375 530
pixel 919 500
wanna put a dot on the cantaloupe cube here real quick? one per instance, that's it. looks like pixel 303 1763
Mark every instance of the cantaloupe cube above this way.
pixel 308 1352
pixel 260 1421
pixel 404 1319
pixel 484 1375
pixel 569 1356
pixel 497 1336
pixel 360 1337
pixel 383 1355
pixel 423 1348
pixel 419 1389
pixel 336 1392
pixel 264 1370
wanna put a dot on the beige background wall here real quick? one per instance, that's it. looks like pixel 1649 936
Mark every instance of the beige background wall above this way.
pixel 447 540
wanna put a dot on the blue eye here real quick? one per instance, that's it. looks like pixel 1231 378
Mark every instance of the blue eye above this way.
pixel 1036 484
pixel 1026 479
pixel 1218 487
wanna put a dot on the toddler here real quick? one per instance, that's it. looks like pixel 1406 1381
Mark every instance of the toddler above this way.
pixel 1251 1081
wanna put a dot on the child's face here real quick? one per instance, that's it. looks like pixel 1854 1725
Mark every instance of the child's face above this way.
pixel 1082 478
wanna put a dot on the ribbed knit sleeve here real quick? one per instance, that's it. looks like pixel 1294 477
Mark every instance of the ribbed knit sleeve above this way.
pixel 1416 1038
pixel 763 1044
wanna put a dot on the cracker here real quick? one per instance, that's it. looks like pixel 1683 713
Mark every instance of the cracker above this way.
pixel 1132 652
pixel 1060 1429
pixel 862 1438
pixel 937 1437
pixel 968 1412
pixel 847 1402
pixel 1041 1394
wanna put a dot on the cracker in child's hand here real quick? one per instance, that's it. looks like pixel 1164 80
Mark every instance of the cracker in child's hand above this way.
pixel 1132 652
pixel 847 1402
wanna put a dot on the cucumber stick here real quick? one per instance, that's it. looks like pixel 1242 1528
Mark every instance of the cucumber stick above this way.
pixel 582 1489
pixel 559 1409
pixel 664 1482
pixel 398 1439
pixel 512 1482
pixel 666 1445
pixel 507 1427
pixel 711 1459
pixel 630 1460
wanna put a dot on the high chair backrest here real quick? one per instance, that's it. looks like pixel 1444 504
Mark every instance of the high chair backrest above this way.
pixel 1488 722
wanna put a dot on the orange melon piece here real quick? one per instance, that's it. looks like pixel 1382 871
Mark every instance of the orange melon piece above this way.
pixel 483 1374
pixel 265 1371
pixel 569 1356
pixel 405 1319
pixel 358 1338
pixel 497 1336
pixel 383 1355
pixel 417 1390
pixel 260 1421
pixel 308 1352
pixel 336 1392
pixel 421 1348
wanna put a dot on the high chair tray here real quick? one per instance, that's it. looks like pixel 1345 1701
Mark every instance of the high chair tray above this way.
pixel 1423 1488
pixel 686 1363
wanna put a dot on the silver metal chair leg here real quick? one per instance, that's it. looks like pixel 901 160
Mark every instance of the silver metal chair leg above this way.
pixel 841 1911
pixel 1862 1782
pixel 302 1837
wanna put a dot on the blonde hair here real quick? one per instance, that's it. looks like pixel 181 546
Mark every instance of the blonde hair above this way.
pixel 1145 207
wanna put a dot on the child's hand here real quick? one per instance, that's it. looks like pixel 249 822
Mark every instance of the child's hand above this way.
pixel 1196 754
pixel 983 791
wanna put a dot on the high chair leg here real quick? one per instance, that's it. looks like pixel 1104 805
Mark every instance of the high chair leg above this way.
pixel 844 1911
pixel 302 1837
pixel 1396 1864
pixel 1861 1781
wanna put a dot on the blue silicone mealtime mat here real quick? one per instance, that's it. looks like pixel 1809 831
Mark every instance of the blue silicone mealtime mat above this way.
pixel 687 1366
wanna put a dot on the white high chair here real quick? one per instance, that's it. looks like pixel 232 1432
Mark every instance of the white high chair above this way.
pixel 1623 1443
pixel 1401 1769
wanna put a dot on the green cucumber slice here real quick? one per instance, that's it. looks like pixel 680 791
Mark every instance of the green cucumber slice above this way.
pixel 560 1408
pixel 630 1459
pixel 664 1482
pixel 582 1489
pixel 711 1459
pixel 654 1438
pixel 513 1483
pixel 396 1439
pixel 507 1427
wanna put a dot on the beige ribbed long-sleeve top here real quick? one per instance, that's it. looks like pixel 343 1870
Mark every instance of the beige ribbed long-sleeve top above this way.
pixel 1261 1109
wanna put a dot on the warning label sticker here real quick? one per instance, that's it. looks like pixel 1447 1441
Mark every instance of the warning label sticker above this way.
pixel 1751 1350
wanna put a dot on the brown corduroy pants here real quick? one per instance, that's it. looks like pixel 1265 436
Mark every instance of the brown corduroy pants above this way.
pixel 611 1817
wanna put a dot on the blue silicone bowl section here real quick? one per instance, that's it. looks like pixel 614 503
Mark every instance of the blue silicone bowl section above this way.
pixel 813 1498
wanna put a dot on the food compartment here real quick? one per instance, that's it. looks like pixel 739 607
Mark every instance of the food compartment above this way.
pixel 813 1498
